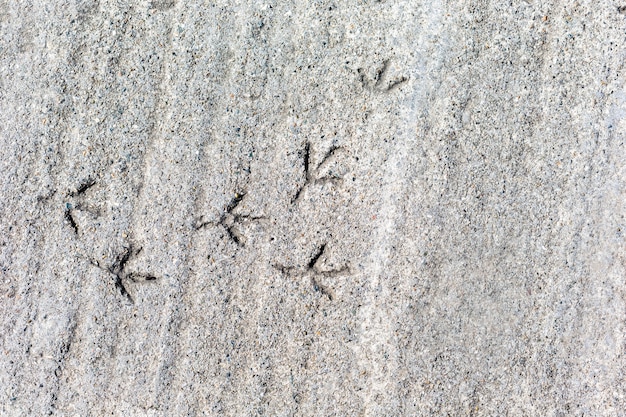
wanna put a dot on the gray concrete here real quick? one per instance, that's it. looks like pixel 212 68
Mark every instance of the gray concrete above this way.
pixel 292 208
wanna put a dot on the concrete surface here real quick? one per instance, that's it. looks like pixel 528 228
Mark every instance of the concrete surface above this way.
pixel 293 208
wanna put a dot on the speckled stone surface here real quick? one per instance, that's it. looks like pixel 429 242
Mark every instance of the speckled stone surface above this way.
pixel 294 208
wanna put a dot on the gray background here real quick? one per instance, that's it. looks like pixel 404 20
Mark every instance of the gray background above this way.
pixel 289 208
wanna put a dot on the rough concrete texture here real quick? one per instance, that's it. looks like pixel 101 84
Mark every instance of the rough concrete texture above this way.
pixel 312 208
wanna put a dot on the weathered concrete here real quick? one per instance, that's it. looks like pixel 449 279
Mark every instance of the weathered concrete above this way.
pixel 319 208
